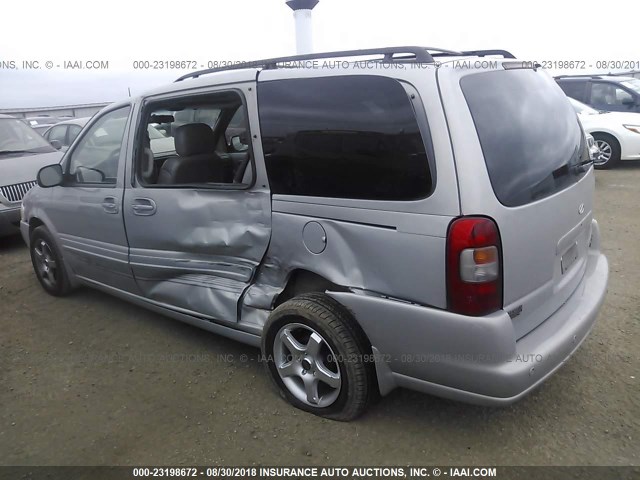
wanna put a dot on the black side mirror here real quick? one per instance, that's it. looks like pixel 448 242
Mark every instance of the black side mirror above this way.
pixel 628 101
pixel 50 176
pixel 56 144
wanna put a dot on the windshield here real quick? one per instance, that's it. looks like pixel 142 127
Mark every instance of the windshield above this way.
pixel 531 138
pixel 16 137
pixel 633 84
pixel 583 109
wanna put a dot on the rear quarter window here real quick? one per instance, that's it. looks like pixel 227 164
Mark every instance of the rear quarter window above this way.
pixel 342 137
pixel 575 89
pixel 530 136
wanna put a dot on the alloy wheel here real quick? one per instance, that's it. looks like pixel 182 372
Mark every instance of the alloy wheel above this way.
pixel 307 365
pixel 46 264
pixel 605 152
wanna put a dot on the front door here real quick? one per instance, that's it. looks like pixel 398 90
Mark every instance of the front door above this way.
pixel 198 215
pixel 86 210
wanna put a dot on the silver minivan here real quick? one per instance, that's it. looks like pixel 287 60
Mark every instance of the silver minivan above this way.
pixel 414 217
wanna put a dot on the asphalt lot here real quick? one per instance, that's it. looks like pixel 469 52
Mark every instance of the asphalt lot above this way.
pixel 92 380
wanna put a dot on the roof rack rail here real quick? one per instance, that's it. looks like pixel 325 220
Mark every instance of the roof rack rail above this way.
pixel 476 53
pixel 596 76
pixel 629 73
pixel 419 55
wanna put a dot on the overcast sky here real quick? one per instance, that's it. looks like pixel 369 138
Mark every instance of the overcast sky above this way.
pixel 122 32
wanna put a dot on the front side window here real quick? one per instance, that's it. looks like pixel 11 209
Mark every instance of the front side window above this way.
pixel 59 133
pixel 342 137
pixel 95 158
pixel 530 135
pixel 608 94
pixel 632 84
pixel 236 132
pixel 74 130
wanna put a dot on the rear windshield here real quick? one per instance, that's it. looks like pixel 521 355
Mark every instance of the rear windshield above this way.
pixel 531 139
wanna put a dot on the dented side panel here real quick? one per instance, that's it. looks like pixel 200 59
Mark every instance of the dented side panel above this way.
pixel 201 248
pixel 391 259
pixel 393 248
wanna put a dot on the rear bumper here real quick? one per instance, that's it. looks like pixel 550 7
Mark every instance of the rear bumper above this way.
pixel 9 221
pixel 475 360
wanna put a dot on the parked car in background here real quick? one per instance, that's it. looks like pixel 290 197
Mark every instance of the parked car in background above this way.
pixel 22 153
pixel 326 237
pixel 594 150
pixel 41 120
pixel 42 128
pixel 610 93
pixel 65 132
pixel 630 73
pixel 41 123
pixel 617 135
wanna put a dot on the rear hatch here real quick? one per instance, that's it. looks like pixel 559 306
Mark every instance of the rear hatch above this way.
pixel 538 183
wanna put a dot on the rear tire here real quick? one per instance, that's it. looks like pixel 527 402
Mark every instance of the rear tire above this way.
pixel 319 358
pixel 610 151
pixel 48 264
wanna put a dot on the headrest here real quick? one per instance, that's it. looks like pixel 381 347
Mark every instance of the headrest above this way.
pixel 194 139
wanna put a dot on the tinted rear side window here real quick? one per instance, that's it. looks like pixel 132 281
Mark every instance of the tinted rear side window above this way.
pixel 532 141
pixel 342 137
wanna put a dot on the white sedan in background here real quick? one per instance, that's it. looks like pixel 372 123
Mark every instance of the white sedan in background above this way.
pixel 617 134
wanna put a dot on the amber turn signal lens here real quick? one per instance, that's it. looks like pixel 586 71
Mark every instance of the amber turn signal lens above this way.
pixel 482 256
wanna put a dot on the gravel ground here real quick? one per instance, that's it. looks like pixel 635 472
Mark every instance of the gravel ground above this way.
pixel 92 380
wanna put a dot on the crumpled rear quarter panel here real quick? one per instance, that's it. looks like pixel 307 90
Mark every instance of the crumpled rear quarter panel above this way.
pixel 404 258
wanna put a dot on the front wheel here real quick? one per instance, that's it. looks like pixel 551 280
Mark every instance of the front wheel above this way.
pixel 47 263
pixel 610 151
pixel 318 357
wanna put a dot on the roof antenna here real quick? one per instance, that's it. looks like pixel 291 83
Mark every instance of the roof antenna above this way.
pixel 129 90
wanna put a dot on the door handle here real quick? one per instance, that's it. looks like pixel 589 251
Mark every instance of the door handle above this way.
pixel 143 206
pixel 109 205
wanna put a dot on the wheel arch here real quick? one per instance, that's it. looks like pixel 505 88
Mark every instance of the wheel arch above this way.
pixel 614 137
pixel 301 281
pixel 607 132
pixel 34 222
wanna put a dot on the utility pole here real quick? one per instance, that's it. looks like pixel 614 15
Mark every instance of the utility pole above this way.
pixel 304 31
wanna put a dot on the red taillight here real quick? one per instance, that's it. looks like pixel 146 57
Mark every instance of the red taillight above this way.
pixel 474 270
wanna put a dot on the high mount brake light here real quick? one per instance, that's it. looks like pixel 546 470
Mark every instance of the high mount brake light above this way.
pixel 474 270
